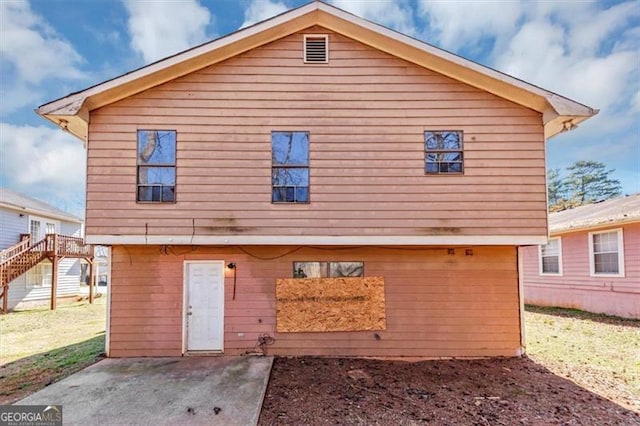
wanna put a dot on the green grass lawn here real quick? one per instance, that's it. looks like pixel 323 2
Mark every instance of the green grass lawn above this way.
pixel 598 352
pixel 39 346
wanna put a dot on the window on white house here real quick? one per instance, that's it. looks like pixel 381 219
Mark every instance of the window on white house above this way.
pixel 551 257
pixel 327 269
pixel 443 152
pixel 156 166
pixel 290 167
pixel 50 228
pixel 606 250
pixel 34 230
pixel 40 275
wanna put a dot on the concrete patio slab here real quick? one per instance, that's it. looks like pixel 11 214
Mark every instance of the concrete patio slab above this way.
pixel 162 391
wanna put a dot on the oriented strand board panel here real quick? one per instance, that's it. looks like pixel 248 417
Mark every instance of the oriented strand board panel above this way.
pixel 330 304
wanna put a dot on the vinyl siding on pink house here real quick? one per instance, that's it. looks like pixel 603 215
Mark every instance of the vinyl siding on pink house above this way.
pixel 576 287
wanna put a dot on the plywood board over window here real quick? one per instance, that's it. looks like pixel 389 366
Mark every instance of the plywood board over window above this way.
pixel 330 304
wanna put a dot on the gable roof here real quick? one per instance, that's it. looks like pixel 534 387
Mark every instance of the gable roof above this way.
pixel 71 112
pixel 597 215
pixel 28 205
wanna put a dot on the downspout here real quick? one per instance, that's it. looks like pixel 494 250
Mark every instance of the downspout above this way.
pixel 519 264
pixel 107 337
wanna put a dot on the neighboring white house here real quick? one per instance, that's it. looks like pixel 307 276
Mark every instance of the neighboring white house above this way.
pixel 20 214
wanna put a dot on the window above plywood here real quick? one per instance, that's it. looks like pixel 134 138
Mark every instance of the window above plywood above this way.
pixel 328 269
pixel 316 48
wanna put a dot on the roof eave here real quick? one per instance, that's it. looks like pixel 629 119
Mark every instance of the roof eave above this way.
pixel 62 111
pixel 38 212
pixel 593 226
pixel 560 114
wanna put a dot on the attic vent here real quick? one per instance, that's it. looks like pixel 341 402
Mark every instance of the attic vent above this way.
pixel 316 49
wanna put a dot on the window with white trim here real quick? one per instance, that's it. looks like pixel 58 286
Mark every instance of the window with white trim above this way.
pixel 606 253
pixel 551 257
pixel 40 275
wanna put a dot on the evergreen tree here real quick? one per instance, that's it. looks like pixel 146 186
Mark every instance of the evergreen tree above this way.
pixel 556 189
pixel 590 181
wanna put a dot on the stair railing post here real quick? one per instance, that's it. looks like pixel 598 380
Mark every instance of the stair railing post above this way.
pixel 54 273
pixel 92 279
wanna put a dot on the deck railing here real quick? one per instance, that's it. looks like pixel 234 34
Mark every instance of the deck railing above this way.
pixel 16 249
pixel 19 258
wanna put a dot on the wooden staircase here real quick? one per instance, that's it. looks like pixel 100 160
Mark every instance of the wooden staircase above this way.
pixel 19 258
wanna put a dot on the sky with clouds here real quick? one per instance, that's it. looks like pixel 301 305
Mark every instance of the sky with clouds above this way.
pixel 587 51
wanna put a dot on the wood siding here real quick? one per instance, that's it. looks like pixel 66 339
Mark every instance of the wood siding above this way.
pixel 366 112
pixel 576 288
pixel 437 304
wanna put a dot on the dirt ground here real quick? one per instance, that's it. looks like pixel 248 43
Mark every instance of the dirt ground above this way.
pixel 513 391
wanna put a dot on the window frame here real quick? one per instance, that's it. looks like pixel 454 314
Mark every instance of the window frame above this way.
pixel 328 267
pixel 43 223
pixel 157 165
pixel 292 166
pixel 443 151
pixel 592 253
pixel 541 271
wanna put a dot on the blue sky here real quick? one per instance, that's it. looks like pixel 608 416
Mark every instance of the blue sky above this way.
pixel 588 51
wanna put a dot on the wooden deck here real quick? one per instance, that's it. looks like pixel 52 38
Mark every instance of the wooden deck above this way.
pixel 19 258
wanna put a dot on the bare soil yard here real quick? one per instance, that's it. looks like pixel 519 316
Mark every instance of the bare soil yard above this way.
pixel 577 359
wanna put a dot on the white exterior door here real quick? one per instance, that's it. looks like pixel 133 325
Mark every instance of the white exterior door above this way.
pixel 204 305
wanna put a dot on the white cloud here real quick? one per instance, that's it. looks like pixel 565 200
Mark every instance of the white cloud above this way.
pixel 465 24
pixel 565 47
pixel 39 156
pixel 589 26
pixel 32 53
pixel 548 55
pixel 259 10
pixel 395 14
pixel 163 28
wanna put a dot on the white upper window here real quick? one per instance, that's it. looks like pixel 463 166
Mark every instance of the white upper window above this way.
pixel 606 253
pixel 39 227
pixel 551 257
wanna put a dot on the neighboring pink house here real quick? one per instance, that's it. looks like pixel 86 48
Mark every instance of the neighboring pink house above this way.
pixel 592 260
